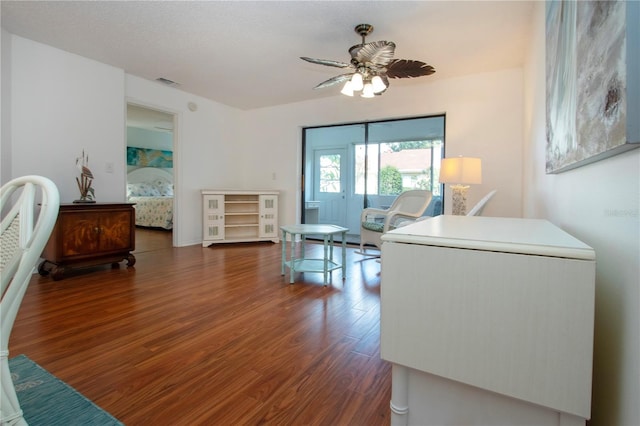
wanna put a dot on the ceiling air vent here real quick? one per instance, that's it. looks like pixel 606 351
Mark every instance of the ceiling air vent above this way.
pixel 167 82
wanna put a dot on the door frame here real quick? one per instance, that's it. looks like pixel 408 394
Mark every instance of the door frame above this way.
pixel 177 193
pixel 432 131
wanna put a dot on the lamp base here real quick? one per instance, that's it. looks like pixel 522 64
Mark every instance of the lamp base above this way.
pixel 459 199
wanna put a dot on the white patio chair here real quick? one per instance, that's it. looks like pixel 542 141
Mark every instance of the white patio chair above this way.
pixel 479 207
pixel 24 233
pixel 374 222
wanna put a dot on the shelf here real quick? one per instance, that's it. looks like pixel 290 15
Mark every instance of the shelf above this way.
pixel 242 202
pixel 241 198
pixel 236 216
pixel 312 265
pixel 242 208
pixel 241 232
pixel 241 220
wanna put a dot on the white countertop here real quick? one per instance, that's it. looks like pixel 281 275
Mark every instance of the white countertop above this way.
pixel 510 235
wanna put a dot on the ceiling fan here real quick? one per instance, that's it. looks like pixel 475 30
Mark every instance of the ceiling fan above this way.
pixel 371 67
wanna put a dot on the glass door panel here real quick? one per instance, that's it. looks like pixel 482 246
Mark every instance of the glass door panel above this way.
pixel 349 167
pixel 330 185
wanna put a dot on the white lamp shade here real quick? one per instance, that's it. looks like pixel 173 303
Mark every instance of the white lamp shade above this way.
pixel 356 82
pixel 367 91
pixel 347 89
pixel 461 170
pixel 378 84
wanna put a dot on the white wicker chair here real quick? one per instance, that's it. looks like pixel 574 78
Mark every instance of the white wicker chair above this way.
pixel 23 235
pixel 479 207
pixel 374 222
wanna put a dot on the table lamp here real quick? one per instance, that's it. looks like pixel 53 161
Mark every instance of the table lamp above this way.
pixel 460 172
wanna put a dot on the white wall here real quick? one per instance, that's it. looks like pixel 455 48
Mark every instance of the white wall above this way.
pixel 207 152
pixel 599 204
pixel 61 104
pixel 483 119
pixel 81 104
pixel 5 106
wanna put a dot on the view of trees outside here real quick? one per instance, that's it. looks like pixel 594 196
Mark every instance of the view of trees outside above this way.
pixel 390 181
pixel 330 173
pixel 399 166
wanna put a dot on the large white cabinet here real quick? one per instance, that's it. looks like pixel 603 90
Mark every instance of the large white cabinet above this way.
pixel 487 321
pixel 239 216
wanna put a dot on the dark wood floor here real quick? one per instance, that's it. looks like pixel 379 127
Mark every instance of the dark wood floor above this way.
pixel 213 336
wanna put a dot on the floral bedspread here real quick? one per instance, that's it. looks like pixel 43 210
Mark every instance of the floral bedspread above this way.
pixel 156 212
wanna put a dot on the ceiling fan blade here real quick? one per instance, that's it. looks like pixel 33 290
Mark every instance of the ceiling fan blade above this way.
pixel 334 80
pixel 327 62
pixel 378 53
pixel 406 68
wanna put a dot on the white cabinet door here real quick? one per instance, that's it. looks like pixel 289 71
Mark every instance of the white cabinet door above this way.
pixel 213 217
pixel 268 216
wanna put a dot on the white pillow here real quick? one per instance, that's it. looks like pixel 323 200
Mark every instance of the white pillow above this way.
pixel 165 189
pixel 142 190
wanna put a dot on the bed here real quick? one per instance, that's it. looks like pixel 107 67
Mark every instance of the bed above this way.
pixel 151 189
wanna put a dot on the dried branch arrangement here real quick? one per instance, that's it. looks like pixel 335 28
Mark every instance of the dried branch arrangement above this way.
pixel 87 194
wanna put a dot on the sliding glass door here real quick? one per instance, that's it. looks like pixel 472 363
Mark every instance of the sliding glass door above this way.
pixel 350 167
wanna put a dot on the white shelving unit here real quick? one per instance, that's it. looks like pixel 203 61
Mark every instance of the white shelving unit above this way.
pixel 231 216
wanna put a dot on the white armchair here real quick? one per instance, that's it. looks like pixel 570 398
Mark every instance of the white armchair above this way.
pixel 479 207
pixel 374 222
pixel 23 236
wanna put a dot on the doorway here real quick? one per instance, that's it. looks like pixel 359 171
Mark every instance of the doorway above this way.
pixel 151 182
pixel 329 185
pixel 348 167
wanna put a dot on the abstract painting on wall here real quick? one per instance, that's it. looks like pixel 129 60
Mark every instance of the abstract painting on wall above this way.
pixel 592 87
pixel 144 157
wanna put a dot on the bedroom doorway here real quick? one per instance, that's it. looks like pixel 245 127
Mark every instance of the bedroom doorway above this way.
pixel 150 169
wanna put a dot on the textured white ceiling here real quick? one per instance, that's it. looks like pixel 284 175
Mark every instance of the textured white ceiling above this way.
pixel 245 54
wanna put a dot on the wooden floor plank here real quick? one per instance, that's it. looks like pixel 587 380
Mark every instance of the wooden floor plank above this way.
pixel 213 336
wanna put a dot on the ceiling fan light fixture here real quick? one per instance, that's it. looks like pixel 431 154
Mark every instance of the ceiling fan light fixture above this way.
pixel 347 89
pixel 356 82
pixel 367 91
pixel 371 66
pixel 378 84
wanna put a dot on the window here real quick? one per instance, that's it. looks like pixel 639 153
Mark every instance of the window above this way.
pixel 330 173
pixel 395 167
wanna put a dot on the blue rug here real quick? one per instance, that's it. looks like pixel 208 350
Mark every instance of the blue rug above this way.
pixel 47 400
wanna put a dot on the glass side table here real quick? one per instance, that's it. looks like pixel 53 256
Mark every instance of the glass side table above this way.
pixel 303 264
